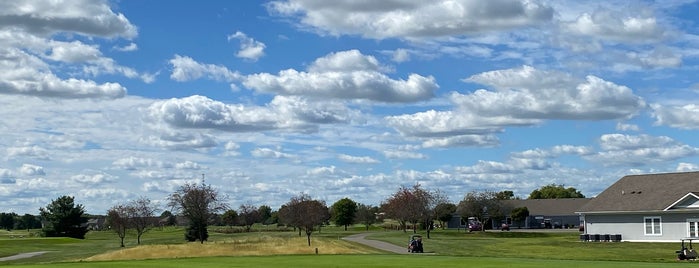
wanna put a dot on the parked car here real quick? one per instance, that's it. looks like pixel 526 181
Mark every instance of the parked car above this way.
pixel 474 225
pixel 504 227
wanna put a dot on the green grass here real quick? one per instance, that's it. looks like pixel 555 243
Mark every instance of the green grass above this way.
pixel 452 248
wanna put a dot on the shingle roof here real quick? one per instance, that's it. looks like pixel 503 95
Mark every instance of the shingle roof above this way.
pixel 549 207
pixel 650 192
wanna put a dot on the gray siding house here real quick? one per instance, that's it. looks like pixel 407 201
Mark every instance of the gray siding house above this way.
pixel 646 208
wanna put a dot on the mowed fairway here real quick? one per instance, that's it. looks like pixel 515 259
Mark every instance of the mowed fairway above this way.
pixel 165 248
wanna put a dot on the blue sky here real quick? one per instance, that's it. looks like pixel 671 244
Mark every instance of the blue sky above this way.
pixel 111 100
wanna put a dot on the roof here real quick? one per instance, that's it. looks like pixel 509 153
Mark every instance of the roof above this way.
pixel 549 207
pixel 649 192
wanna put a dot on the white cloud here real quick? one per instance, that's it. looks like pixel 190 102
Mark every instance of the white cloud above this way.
pixel 86 17
pixel 345 75
pixel 127 48
pixel 93 179
pixel 616 26
pixel 32 151
pixel 627 127
pixel 357 159
pixel 22 73
pixel 269 153
pixel 399 154
pixel 187 69
pixel 462 140
pixel 133 163
pixel 250 49
pixel 412 19
pixel 620 149
pixel 321 171
pixel 678 116
pixel 31 170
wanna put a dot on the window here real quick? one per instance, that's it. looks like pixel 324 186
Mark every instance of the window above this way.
pixel 692 227
pixel 652 226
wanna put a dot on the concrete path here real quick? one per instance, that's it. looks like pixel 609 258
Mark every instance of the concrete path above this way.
pixel 361 239
pixel 22 256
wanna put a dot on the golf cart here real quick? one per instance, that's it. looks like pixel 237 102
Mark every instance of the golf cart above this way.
pixel 415 244
pixel 687 253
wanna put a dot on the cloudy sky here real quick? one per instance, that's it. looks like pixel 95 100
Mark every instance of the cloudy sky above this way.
pixel 111 100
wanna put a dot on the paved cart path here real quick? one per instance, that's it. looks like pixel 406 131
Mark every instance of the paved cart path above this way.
pixel 361 238
pixel 22 256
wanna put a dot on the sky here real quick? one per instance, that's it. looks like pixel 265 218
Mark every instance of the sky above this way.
pixel 109 101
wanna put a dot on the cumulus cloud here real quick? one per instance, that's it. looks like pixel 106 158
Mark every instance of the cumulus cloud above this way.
pixel 620 149
pixel 32 151
pixel 677 116
pixel 462 141
pixel 93 179
pixel 127 48
pixel 31 170
pixel 199 112
pixel 22 73
pixel 616 26
pixel 345 75
pixel 186 69
pixel 133 163
pixel 400 154
pixel 357 159
pixel 250 49
pixel 412 19
pixel 86 17
pixel 269 153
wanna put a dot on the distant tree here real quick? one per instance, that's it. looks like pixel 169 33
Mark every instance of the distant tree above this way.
pixel 118 221
pixel 444 212
pixel 198 203
pixel 305 213
pixel 170 219
pixel 141 214
pixel 265 214
pixel 248 215
pixel 64 218
pixel 230 217
pixel 481 205
pixel 343 212
pixel 7 221
pixel 553 191
pixel 505 195
pixel 519 214
pixel 366 214
pixel 28 221
pixel 401 207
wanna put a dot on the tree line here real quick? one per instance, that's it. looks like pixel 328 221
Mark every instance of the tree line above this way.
pixel 202 205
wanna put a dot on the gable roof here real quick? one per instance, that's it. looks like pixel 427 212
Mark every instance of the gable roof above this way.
pixel 649 192
pixel 549 207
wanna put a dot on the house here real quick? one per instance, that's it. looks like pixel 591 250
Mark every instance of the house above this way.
pixel 543 213
pixel 650 208
pixel 547 213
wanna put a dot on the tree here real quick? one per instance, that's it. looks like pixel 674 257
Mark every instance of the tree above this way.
pixel 413 205
pixel 366 214
pixel 230 217
pixel 444 212
pixel 519 214
pixel 141 214
pixel 7 221
pixel 170 219
pixel 118 220
pixel 505 195
pixel 198 203
pixel 248 215
pixel 305 213
pixel 343 212
pixel 481 205
pixel 28 221
pixel 64 218
pixel 553 191
pixel 265 214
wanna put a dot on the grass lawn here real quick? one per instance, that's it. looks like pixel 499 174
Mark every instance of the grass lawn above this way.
pixel 286 249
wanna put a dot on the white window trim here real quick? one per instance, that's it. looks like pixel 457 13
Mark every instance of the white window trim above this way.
pixel 660 223
pixel 690 221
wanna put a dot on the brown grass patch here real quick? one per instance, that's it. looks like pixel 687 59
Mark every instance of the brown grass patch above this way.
pixel 250 246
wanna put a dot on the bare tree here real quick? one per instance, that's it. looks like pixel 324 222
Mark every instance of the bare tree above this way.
pixel 305 213
pixel 198 203
pixel 366 214
pixel 118 220
pixel 142 216
pixel 248 215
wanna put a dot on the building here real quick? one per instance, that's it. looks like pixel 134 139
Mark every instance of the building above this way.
pixel 650 208
pixel 543 213
pixel 548 213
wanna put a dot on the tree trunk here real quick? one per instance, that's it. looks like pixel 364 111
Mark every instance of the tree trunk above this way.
pixel 345 227
pixel 122 242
